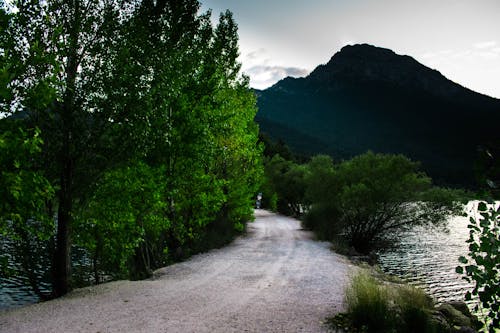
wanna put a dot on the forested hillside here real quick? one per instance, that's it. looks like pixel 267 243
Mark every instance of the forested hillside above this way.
pixel 370 98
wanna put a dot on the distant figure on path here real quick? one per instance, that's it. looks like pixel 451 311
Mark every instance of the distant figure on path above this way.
pixel 259 198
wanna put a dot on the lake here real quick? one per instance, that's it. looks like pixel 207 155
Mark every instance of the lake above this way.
pixel 427 257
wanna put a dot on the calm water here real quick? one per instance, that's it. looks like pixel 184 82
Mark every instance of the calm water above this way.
pixel 14 292
pixel 428 257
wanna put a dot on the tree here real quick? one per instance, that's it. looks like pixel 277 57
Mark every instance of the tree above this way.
pixel 61 48
pixel 373 196
pixel 26 225
pixel 286 179
pixel 126 89
pixel 125 212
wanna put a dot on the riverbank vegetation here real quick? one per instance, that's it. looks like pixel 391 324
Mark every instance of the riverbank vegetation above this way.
pixel 363 203
pixel 375 304
pixel 127 141
pixel 482 265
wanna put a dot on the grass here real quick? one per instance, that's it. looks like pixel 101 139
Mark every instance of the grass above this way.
pixel 368 304
pixel 377 306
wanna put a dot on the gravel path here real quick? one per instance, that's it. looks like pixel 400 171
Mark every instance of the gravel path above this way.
pixel 275 279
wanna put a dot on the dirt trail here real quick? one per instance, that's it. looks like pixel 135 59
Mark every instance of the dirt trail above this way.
pixel 275 279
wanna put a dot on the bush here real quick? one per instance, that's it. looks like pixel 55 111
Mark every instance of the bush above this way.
pixel 373 196
pixel 368 304
pixel 415 306
pixel 322 219
pixel 285 179
pixel 26 198
pixel 374 306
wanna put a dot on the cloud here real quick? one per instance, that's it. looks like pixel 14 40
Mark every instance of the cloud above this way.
pixel 255 54
pixel 485 45
pixel 263 76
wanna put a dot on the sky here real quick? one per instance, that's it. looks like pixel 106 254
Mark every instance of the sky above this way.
pixel 279 38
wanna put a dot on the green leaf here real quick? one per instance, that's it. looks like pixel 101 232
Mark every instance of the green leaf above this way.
pixel 462 260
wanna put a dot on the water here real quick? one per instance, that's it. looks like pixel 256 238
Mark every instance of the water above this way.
pixel 427 257
pixel 15 292
pixel 15 289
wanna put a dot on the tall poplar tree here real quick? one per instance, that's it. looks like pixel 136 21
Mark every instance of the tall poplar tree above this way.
pixel 126 89
pixel 61 47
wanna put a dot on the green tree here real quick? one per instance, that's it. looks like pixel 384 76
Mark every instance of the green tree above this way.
pixel 321 185
pixel 125 215
pixel 26 225
pixel 61 49
pixel 373 196
pixel 147 90
pixel 286 179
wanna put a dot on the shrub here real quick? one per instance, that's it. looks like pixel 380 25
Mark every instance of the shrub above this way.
pixel 376 306
pixel 368 304
pixel 285 179
pixel 374 196
pixel 415 308
pixel 322 219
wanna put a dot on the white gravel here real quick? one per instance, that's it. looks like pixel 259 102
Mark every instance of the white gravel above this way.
pixel 274 279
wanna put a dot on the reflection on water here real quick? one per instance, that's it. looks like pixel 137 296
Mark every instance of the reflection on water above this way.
pixel 15 288
pixel 15 292
pixel 427 257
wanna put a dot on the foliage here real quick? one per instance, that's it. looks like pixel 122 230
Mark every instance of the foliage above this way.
pixel 60 52
pixel 363 202
pixel 368 303
pixel 373 196
pixel 320 184
pixel 26 225
pixel 125 214
pixel 415 310
pixel 286 180
pixel 482 267
pixel 488 169
pixel 147 128
pixel 272 148
pixel 373 306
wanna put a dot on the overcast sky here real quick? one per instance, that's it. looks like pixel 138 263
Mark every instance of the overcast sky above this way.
pixel 278 38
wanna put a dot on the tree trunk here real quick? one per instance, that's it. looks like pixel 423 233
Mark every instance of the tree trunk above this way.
pixel 62 253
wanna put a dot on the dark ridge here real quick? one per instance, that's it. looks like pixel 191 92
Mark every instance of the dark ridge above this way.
pixel 370 98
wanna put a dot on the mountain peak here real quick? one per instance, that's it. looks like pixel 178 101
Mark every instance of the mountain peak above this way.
pixel 370 98
pixel 366 50
pixel 362 63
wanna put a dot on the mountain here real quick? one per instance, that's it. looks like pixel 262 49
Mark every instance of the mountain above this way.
pixel 370 98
